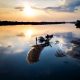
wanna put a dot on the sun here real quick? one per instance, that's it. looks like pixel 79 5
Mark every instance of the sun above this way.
pixel 29 11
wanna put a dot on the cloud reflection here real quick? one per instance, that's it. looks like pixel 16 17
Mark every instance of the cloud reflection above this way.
pixel 68 45
pixel 9 50
pixel 20 42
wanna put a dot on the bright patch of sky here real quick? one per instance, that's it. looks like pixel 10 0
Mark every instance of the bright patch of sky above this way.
pixel 58 5
pixel 38 3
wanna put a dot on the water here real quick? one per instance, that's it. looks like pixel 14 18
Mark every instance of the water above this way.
pixel 17 41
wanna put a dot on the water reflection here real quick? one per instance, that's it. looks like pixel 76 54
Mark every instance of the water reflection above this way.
pixel 72 49
pixel 60 53
pixel 34 53
pixel 75 52
pixel 63 42
pixel 49 57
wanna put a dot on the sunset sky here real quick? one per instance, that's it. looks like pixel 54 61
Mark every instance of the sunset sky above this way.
pixel 40 10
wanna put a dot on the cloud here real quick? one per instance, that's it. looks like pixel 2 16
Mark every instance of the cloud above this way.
pixel 68 6
pixel 72 5
pixel 20 8
pixel 62 9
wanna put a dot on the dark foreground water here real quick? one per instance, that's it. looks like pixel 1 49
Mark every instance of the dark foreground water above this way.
pixel 59 62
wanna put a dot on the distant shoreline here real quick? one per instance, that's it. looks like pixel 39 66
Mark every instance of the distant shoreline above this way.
pixel 6 23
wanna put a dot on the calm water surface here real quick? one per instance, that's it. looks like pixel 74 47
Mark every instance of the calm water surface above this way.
pixel 17 41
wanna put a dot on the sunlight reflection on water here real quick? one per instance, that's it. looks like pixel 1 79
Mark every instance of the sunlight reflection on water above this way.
pixel 16 42
pixel 20 37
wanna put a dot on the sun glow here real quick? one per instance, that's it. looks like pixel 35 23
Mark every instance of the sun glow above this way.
pixel 29 11
pixel 29 33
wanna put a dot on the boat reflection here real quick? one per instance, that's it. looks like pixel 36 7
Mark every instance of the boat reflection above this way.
pixel 34 53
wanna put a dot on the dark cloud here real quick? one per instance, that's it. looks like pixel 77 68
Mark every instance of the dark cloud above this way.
pixel 62 9
pixel 72 5
pixel 69 6
pixel 20 8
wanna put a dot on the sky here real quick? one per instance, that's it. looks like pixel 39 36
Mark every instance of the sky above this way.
pixel 39 10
